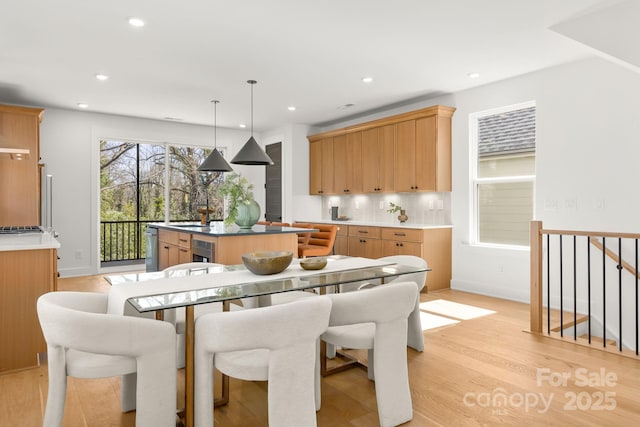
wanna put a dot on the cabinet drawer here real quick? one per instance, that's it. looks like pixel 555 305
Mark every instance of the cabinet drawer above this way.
pixel 343 230
pixel 184 240
pixel 168 236
pixel 362 231
pixel 402 234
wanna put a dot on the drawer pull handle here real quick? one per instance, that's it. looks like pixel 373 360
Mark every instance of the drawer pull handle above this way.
pixel 399 234
pixel 363 231
pixel 183 250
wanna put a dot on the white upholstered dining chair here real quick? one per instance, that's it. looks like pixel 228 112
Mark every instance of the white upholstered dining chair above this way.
pixel 415 334
pixel 376 320
pixel 85 342
pixel 278 344
pixel 177 316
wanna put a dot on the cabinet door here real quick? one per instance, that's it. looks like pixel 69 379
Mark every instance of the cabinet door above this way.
pixel 184 255
pixel 397 247
pixel 315 167
pixel 405 164
pixel 365 247
pixel 426 154
pixel 387 157
pixel 328 185
pixel 370 161
pixel 354 162
pixel 168 255
pixel 20 180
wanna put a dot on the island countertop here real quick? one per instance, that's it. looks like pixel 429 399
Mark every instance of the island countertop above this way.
pixel 220 229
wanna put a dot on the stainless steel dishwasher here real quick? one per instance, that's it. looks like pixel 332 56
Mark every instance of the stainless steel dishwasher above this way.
pixel 151 249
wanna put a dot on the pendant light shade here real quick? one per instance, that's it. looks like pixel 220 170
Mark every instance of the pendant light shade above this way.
pixel 251 153
pixel 214 161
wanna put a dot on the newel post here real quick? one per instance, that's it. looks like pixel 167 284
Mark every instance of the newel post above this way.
pixel 535 304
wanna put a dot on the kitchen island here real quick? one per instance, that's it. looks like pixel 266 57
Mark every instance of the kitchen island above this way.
pixel 179 243
pixel 28 269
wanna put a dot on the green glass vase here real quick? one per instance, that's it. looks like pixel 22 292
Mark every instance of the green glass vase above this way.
pixel 248 214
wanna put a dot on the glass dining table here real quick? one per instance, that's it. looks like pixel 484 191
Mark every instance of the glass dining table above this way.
pixel 158 291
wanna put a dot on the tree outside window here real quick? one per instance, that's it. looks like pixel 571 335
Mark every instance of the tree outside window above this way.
pixel 134 178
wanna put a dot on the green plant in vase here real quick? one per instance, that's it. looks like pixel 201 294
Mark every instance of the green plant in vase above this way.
pixel 393 208
pixel 243 210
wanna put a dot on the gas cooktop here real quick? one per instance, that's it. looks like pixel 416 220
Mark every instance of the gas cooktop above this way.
pixel 19 229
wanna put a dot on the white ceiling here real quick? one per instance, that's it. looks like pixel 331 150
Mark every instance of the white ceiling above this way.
pixel 311 54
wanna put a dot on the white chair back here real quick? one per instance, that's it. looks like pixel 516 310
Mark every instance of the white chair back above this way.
pixel 84 341
pixel 387 306
pixel 288 332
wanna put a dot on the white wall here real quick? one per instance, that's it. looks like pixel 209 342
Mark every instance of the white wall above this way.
pixel 587 153
pixel 69 147
pixel 586 165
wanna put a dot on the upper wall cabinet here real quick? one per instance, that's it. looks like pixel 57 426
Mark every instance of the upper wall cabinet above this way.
pixel 409 152
pixel 378 154
pixel 321 166
pixel 347 163
pixel 20 179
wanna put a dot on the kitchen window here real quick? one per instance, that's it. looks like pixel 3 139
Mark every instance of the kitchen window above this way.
pixel 503 145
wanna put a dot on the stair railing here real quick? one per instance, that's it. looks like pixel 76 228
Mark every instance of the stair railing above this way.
pixel 543 272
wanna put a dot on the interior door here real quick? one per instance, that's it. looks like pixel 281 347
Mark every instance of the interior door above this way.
pixel 273 184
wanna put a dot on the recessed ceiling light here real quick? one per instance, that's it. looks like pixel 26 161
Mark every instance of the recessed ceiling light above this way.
pixel 83 105
pixel 342 107
pixel 292 108
pixel 102 77
pixel 367 79
pixel 473 75
pixel 242 125
pixel 136 22
pixel 174 119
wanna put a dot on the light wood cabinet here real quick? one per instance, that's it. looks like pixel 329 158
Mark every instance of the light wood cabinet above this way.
pixel 409 152
pixel 402 241
pixel 341 244
pixel 173 248
pixel 378 159
pixel 365 241
pixel 20 179
pixel 406 162
pixel 347 163
pixel 321 166
pixel 432 244
pixel 24 276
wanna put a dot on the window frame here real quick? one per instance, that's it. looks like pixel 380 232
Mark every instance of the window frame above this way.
pixel 475 181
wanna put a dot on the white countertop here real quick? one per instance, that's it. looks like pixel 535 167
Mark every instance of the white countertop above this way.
pixel 379 224
pixel 28 241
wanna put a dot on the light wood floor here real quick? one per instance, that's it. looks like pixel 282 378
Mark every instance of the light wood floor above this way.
pixel 457 381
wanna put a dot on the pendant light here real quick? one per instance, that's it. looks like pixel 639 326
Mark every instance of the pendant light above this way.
pixel 251 153
pixel 214 161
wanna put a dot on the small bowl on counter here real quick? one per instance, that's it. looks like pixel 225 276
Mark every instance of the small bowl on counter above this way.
pixel 267 262
pixel 314 263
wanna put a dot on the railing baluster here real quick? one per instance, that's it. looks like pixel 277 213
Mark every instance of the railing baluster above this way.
pixel 589 285
pixel 604 292
pixel 548 285
pixel 575 293
pixel 561 282
pixel 636 299
pixel 619 267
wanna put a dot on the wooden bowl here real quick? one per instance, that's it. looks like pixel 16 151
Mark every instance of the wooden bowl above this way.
pixel 315 263
pixel 267 262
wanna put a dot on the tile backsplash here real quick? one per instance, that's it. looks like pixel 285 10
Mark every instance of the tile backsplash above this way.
pixel 421 208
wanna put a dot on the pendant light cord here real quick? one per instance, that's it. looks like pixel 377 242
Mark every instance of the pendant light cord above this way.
pixel 215 124
pixel 252 82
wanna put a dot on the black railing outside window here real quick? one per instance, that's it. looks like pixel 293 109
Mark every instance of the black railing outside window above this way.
pixel 123 240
